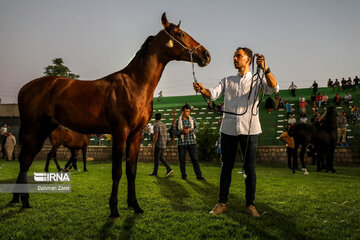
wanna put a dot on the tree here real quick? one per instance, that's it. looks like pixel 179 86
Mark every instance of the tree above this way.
pixel 59 69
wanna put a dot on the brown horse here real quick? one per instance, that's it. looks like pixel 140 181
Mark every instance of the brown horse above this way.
pixel 120 103
pixel 73 141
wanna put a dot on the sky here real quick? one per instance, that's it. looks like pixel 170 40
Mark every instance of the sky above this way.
pixel 302 41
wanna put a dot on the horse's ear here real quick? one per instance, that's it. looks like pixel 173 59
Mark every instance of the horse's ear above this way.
pixel 164 21
pixel 179 24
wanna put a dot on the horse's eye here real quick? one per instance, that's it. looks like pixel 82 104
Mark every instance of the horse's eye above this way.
pixel 180 34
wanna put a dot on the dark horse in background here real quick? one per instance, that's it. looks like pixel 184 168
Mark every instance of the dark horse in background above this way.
pixel 73 141
pixel 323 136
pixel 120 103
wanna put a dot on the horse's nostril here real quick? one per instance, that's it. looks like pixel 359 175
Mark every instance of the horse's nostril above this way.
pixel 207 56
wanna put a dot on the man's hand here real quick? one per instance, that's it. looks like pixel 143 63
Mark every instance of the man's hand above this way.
pixel 186 130
pixel 198 87
pixel 260 61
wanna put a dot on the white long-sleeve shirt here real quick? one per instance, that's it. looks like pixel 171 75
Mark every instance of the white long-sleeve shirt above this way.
pixel 236 90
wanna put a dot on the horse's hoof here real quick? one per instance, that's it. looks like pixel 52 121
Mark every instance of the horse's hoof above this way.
pixel 27 206
pixel 13 203
pixel 138 211
pixel 113 219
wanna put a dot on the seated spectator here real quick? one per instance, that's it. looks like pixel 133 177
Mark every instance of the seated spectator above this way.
pixel 302 107
pixel 292 120
pixel 347 98
pixel 315 119
pixel 288 109
pixel 325 99
pixel 319 99
pixel 343 83
pixel 302 99
pixel 281 103
pixel 337 99
pixel 303 119
pixel 349 84
pixel 336 84
pixel 269 104
pixel 277 100
pixel 292 88
pixel 355 114
pixel 330 83
pixel 356 81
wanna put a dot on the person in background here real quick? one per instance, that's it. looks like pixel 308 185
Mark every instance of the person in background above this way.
pixel 290 145
pixel 325 99
pixel 10 145
pixel 292 88
pixel 185 129
pixel 288 109
pixel 341 127
pixel 3 136
pixel 315 86
pixel 159 146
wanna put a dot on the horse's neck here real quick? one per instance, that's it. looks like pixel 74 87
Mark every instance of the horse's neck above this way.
pixel 146 70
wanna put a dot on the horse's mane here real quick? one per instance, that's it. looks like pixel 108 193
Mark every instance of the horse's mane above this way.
pixel 144 47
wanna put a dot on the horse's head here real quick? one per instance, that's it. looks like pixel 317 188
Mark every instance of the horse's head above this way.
pixel 178 44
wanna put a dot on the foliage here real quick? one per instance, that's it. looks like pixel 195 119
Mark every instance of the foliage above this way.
pixel 59 69
pixel 293 206
pixel 206 139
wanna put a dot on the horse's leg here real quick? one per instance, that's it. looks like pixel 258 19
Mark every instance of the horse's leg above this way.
pixel 84 157
pixel 118 146
pixel 302 155
pixel 32 142
pixel 295 153
pixel 330 158
pixel 52 154
pixel 74 158
pixel 132 152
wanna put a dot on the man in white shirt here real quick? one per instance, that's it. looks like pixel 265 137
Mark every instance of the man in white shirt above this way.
pixel 243 128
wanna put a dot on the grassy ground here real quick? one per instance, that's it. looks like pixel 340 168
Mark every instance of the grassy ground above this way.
pixel 318 206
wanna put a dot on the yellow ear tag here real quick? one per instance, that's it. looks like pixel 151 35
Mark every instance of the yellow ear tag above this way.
pixel 170 43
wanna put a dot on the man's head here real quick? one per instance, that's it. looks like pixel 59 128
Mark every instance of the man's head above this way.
pixel 185 111
pixel 158 116
pixel 242 57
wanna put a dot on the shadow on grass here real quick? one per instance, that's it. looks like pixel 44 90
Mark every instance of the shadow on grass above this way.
pixel 270 225
pixel 174 192
pixel 125 230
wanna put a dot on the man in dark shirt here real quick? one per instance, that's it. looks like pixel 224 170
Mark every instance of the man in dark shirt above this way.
pixel 159 146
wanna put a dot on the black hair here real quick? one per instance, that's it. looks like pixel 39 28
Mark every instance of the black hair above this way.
pixel 247 51
pixel 158 116
pixel 186 106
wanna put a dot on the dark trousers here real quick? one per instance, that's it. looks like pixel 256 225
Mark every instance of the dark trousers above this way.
pixel 193 152
pixel 229 146
pixel 159 155
pixel 290 152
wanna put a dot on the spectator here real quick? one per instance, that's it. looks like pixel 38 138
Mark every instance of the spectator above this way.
pixel 303 119
pixel 292 120
pixel 343 83
pixel 316 117
pixel 356 81
pixel 281 103
pixel 185 128
pixel 315 86
pixel 341 127
pixel 269 104
pixel 302 99
pixel 347 98
pixel 337 84
pixel 3 136
pixel 330 83
pixel 160 96
pixel 337 99
pixel 349 84
pixel 151 130
pixel 290 145
pixel 319 99
pixel 292 88
pixel 355 114
pixel 325 99
pixel 159 146
pixel 10 145
pixel 288 109
pixel 277 100
pixel 302 107
pixel 313 100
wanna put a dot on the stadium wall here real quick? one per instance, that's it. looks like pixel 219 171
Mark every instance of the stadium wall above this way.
pixel 266 154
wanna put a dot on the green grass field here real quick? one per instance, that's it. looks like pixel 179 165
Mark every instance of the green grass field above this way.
pixel 317 206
